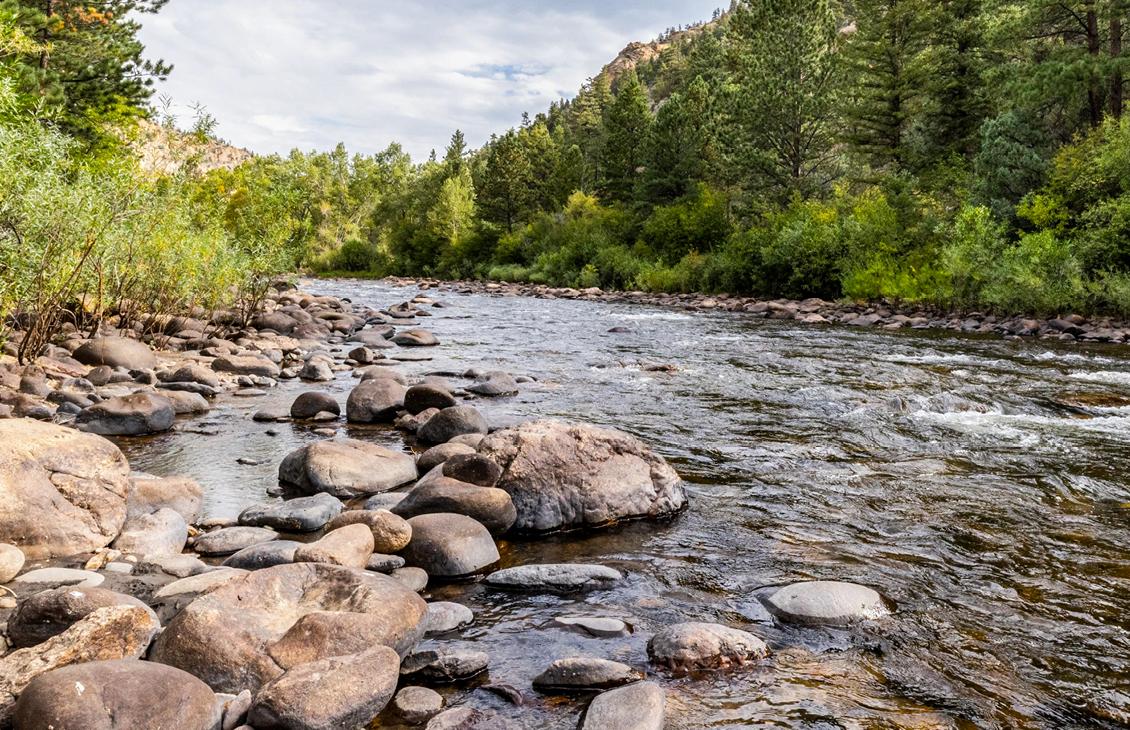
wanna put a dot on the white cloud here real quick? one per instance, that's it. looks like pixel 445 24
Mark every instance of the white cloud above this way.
pixel 279 74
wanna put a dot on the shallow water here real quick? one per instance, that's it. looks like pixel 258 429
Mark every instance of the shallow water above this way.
pixel 981 484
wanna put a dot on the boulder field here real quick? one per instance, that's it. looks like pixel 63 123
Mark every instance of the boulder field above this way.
pixel 337 603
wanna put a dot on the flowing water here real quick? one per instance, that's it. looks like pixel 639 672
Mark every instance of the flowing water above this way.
pixel 983 485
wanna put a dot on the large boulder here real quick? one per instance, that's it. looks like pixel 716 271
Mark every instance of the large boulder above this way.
pixel 163 532
pixel 491 507
pixel 61 491
pixel 450 546
pixel 374 401
pixel 696 646
pixel 311 403
pixel 328 694
pixel 258 625
pixel 149 493
pixel 116 352
pixel 563 476
pixel 346 468
pixel 122 694
pixel 136 414
pixel 119 632
pixel 415 338
pixel 49 613
pixel 452 422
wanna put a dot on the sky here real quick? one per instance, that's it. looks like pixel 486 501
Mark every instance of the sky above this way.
pixel 280 74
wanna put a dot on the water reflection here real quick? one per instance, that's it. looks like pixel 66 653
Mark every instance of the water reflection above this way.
pixel 980 483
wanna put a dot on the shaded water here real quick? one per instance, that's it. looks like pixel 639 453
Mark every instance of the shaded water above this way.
pixel 981 484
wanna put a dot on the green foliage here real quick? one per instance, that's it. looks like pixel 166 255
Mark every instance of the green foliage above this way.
pixel 699 222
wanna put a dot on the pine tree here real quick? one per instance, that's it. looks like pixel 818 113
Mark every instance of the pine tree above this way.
pixel 504 190
pixel 678 150
pixel 89 68
pixel 954 81
pixel 626 128
pixel 783 93
pixel 586 128
pixel 453 160
pixel 885 59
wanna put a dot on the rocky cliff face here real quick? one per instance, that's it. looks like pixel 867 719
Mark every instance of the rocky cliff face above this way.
pixel 163 150
pixel 637 53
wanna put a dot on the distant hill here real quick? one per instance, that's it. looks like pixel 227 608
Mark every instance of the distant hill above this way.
pixel 638 53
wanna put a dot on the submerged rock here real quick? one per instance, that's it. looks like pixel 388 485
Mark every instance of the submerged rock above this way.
pixel 443 666
pixel 584 674
pixel 562 476
pixel 827 602
pixel 695 646
pixel 555 577
pixel 637 706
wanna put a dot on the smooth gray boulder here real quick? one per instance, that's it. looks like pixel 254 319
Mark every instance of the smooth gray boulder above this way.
pixel 452 422
pixel 346 468
pixel 309 404
pixel 494 384
pixel 415 338
pixel 827 602
pixel 116 352
pixel 585 674
pixel 563 476
pixel 444 617
pixel 598 626
pixel 421 397
pixel 450 546
pixel 555 577
pixel 417 705
pixel 696 646
pixel 303 514
pixel 123 694
pixel 375 401
pixel 637 706
pixel 128 415
pixel 329 694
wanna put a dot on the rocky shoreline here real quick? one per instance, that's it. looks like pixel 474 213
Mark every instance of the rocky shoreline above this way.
pixel 312 612
pixel 881 315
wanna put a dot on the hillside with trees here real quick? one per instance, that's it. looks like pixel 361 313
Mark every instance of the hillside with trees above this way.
pixel 963 154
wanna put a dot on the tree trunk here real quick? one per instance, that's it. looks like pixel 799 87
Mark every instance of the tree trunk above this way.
pixel 1094 92
pixel 1115 53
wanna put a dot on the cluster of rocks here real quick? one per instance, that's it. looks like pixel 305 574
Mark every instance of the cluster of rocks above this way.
pixel 307 613
pixel 889 315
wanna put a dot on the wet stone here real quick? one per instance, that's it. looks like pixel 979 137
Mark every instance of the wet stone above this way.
pixel 444 617
pixel 593 626
pixel 581 674
pixel 417 705
pixel 555 577
pixel 228 540
pixel 415 578
pixel 304 514
pixel 826 602
pixel 637 706
pixel 443 666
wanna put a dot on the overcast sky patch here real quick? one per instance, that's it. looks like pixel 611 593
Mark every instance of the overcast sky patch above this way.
pixel 280 74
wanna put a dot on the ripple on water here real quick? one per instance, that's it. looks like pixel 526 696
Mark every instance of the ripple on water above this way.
pixel 949 472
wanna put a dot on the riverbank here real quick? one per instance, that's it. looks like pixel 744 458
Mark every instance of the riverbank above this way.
pixel 309 612
pixel 882 315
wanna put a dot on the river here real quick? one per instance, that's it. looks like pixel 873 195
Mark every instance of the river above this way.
pixel 980 484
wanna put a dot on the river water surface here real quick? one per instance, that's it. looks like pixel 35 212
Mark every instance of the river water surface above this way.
pixel 983 485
